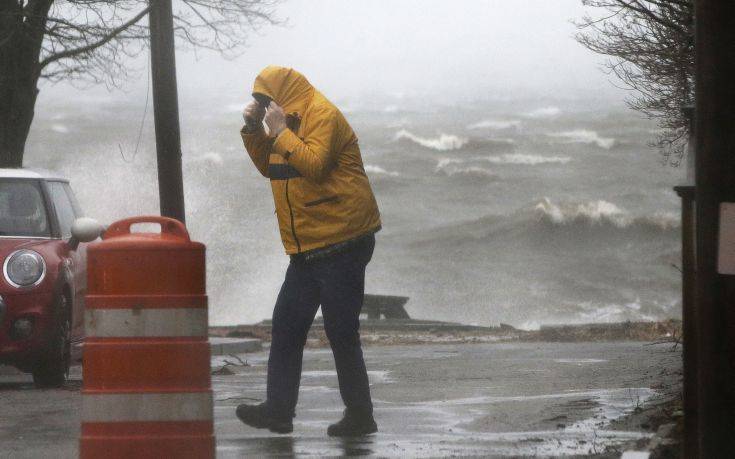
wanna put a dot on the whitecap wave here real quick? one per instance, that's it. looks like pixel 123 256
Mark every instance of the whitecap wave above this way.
pixel 508 158
pixel 599 213
pixel 377 170
pixel 544 112
pixel 496 124
pixel 527 159
pixel 444 162
pixel 587 137
pixel 451 167
pixel 593 211
pixel 471 171
pixel 444 142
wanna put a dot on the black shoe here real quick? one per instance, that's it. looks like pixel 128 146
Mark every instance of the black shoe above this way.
pixel 260 417
pixel 353 424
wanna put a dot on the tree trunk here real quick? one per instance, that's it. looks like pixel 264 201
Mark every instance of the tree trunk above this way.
pixel 20 44
pixel 16 114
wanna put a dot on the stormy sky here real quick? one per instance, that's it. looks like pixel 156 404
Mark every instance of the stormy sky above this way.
pixel 421 48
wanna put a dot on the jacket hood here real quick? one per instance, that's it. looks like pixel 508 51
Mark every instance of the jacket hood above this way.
pixel 287 87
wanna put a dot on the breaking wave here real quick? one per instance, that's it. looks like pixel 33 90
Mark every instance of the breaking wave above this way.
pixel 557 232
pixel 496 124
pixel 600 213
pixel 473 165
pixel 586 137
pixel 444 142
pixel 526 159
pixel 451 167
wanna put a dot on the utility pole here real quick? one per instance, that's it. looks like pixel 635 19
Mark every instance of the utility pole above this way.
pixel 715 184
pixel 166 110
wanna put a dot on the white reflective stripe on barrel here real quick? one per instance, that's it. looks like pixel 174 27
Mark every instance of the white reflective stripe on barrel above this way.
pixel 139 323
pixel 180 406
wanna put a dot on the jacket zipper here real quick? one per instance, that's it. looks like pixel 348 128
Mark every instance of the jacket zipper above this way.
pixel 293 227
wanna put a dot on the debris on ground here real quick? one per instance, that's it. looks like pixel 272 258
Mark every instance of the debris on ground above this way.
pixel 227 368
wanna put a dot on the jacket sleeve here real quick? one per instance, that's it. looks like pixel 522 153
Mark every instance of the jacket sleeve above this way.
pixel 315 156
pixel 259 147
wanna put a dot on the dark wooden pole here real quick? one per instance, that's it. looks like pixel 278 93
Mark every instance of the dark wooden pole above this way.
pixel 689 322
pixel 166 110
pixel 715 184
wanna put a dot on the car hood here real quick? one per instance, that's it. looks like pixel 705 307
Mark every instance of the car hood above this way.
pixel 8 245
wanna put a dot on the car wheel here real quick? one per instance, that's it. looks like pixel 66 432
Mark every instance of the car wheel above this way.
pixel 53 368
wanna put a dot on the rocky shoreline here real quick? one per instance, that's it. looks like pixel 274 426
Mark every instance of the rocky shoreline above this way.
pixel 410 331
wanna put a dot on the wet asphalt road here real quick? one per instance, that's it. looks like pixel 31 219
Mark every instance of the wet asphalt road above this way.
pixel 476 399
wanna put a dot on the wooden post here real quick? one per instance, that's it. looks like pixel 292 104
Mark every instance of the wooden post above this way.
pixel 166 110
pixel 715 184
pixel 689 321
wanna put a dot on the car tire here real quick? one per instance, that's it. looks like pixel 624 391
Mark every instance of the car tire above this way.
pixel 53 367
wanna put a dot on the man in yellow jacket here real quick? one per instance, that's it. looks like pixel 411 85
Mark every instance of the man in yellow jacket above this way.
pixel 327 216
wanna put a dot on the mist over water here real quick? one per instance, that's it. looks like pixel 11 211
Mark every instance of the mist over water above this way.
pixel 515 211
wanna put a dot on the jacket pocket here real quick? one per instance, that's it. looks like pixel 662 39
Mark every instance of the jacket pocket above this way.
pixel 321 201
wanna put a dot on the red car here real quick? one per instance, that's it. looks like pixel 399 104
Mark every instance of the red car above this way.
pixel 43 240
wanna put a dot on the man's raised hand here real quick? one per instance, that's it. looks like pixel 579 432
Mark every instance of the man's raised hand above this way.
pixel 253 115
pixel 275 119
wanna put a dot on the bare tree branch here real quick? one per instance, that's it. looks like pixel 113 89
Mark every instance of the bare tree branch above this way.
pixel 93 46
pixel 90 42
pixel 650 45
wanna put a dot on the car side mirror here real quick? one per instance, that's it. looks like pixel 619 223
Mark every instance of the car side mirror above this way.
pixel 84 230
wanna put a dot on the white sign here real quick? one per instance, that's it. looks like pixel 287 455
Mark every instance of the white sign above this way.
pixel 726 250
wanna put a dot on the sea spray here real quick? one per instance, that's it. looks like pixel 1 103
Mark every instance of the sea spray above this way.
pixel 586 137
pixel 467 232
pixel 444 142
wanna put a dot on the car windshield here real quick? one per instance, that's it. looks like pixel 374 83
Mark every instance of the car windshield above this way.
pixel 22 209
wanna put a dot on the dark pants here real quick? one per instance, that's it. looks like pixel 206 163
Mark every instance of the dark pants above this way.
pixel 337 282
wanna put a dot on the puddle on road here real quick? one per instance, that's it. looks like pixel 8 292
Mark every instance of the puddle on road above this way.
pixel 375 376
pixel 452 422
pixel 463 426
pixel 580 361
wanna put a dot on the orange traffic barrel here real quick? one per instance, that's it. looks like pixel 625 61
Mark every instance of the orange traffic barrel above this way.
pixel 146 359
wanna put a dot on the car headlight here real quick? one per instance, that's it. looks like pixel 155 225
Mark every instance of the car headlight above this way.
pixel 24 268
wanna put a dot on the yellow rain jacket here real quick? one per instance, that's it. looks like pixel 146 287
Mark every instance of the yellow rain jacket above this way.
pixel 321 192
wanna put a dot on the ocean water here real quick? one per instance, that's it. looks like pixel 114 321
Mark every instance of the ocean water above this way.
pixel 503 211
